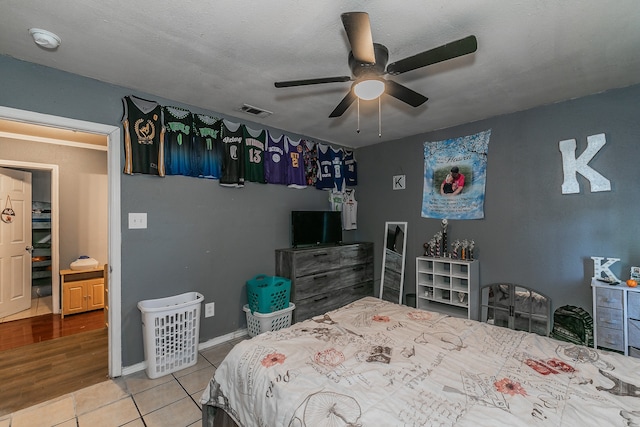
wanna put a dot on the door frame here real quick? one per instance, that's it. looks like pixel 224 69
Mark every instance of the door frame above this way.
pixel 114 222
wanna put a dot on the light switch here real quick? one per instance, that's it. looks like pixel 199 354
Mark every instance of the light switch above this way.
pixel 137 220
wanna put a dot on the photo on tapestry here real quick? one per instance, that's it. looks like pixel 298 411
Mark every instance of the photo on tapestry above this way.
pixel 455 174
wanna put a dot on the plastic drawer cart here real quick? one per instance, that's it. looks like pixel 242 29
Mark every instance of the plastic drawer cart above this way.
pixel 171 331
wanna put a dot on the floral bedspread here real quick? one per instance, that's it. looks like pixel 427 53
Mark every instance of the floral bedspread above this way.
pixel 375 363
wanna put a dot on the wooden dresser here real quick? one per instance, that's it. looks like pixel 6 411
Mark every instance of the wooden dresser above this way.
pixel 325 278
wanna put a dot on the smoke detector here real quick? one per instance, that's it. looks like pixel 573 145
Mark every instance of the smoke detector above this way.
pixel 44 38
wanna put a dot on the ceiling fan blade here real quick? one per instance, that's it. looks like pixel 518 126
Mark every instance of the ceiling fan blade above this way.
pixel 404 94
pixel 447 51
pixel 358 29
pixel 320 80
pixel 344 104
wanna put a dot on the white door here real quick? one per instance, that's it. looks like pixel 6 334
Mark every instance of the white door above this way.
pixel 15 242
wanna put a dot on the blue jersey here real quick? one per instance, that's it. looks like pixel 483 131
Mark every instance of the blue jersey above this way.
pixel 207 155
pixel 338 168
pixel 325 166
pixel 350 168
pixel 178 143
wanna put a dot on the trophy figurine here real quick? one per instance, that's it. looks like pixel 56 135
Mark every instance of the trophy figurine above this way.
pixel 471 245
pixel 438 238
pixel 465 246
pixel 456 248
pixel 445 223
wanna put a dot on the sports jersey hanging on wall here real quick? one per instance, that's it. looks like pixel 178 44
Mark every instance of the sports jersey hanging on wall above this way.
pixel 208 146
pixel 455 174
pixel 350 168
pixel 143 136
pixel 177 145
pixel 254 145
pixel 310 154
pixel 295 163
pixel 232 155
pixel 275 167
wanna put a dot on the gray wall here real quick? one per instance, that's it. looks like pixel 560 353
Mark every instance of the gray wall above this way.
pixel 531 234
pixel 206 238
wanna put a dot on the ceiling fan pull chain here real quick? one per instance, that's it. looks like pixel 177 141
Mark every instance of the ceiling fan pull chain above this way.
pixel 358 129
pixel 379 118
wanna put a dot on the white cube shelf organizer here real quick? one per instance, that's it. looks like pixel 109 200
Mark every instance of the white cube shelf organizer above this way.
pixel 448 285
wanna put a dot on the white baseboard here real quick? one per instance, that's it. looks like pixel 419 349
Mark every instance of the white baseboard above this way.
pixel 128 370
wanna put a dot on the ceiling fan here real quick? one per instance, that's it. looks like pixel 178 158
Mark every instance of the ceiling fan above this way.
pixel 368 64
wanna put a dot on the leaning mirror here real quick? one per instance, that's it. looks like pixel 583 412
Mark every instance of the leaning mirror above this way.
pixel 392 275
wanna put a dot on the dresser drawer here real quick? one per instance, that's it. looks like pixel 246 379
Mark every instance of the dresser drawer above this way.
pixel 610 338
pixel 316 284
pixel 611 298
pixel 356 274
pixel 633 304
pixel 321 303
pixel 609 318
pixel 315 261
pixel 356 254
pixel 634 333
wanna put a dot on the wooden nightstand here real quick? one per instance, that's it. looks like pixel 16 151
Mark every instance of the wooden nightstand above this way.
pixel 82 290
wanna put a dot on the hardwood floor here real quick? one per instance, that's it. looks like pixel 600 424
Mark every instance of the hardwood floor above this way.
pixel 45 357
pixel 17 333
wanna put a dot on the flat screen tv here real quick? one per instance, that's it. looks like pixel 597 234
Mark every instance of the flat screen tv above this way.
pixel 310 228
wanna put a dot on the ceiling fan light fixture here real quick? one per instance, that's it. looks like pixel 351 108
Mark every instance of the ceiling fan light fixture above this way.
pixel 369 89
pixel 44 38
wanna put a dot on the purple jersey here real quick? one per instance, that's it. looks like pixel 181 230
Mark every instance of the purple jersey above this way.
pixel 275 165
pixel 295 163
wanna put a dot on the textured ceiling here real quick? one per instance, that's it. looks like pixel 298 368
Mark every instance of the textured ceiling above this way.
pixel 220 55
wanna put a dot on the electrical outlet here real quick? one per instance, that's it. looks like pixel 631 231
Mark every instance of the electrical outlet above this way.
pixel 209 309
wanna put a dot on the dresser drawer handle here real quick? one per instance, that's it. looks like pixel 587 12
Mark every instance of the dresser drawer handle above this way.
pixel 358 268
pixel 358 287
pixel 322 276
pixel 612 342
pixel 320 299
pixel 320 254
pixel 611 322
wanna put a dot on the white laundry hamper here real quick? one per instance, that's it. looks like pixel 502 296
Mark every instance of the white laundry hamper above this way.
pixel 170 331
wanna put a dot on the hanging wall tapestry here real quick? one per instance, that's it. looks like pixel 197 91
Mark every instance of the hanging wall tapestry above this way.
pixel 455 173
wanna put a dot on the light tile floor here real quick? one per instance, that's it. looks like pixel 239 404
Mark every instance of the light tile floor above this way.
pixel 133 400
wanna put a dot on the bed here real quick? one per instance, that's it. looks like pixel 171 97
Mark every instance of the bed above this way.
pixel 376 363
